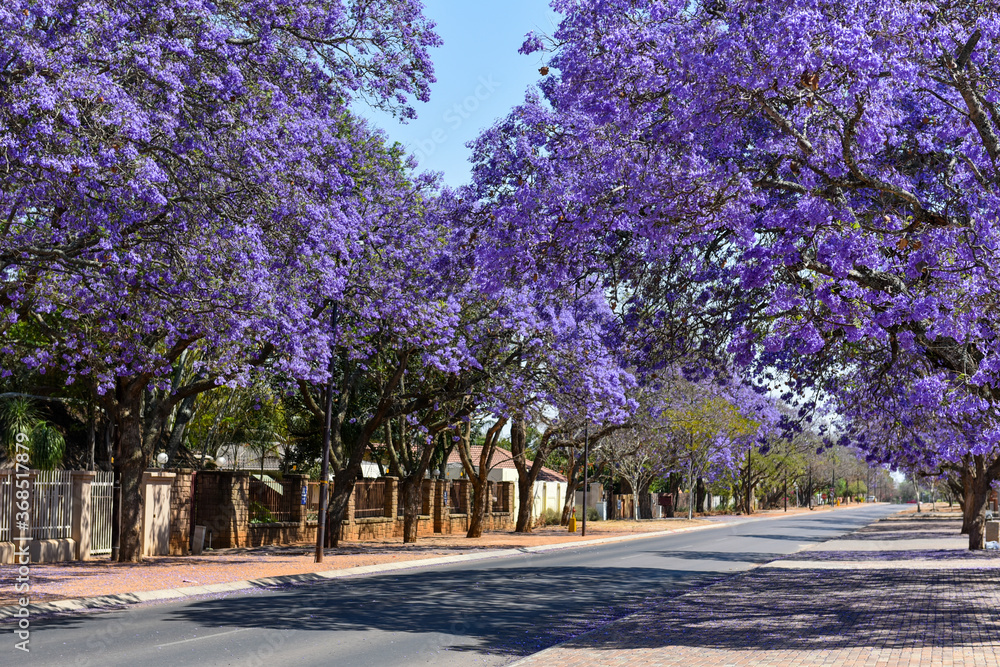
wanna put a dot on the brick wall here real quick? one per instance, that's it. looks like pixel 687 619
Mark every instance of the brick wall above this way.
pixel 221 504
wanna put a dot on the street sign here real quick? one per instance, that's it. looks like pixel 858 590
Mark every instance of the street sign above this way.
pixel 305 493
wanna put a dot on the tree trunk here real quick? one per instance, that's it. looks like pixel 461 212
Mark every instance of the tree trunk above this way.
pixel 525 480
pixel 977 528
pixel 645 501
pixel 477 512
pixel 335 509
pixel 572 484
pixel 185 412
pixel 410 492
pixel 134 460
pixel 479 477
pixel 968 503
pixel 343 487
pixel 526 502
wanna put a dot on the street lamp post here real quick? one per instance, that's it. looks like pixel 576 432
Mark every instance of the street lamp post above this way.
pixel 324 492
pixel 586 477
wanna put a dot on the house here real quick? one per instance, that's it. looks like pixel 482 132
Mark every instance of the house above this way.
pixel 550 486
pixel 240 456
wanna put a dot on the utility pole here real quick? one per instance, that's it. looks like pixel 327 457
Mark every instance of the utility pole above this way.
pixel 691 485
pixel 116 495
pixel 786 489
pixel 809 502
pixel 586 476
pixel 324 483
pixel 833 479
pixel 749 454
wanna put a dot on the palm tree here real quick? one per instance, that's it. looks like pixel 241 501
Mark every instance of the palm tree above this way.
pixel 20 418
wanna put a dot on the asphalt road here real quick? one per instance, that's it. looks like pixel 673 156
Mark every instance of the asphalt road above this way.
pixel 481 613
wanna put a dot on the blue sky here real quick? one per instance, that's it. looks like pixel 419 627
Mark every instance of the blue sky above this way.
pixel 480 76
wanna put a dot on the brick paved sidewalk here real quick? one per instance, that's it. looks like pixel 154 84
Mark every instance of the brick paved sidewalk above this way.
pixel 834 604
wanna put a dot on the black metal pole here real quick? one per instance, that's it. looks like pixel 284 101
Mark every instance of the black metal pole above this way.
pixel 586 477
pixel 833 481
pixel 809 502
pixel 786 489
pixel 116 497
pixel 324 491
pixel 749 490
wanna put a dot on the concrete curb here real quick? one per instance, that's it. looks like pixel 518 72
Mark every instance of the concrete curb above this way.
pixel 971 564
pixel 123 599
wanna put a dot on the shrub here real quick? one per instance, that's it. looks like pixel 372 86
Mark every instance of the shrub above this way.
pixel 260 514
pixel 549 517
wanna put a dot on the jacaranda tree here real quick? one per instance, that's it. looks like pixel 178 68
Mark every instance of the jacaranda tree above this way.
pixel 182 175
pixel 835 162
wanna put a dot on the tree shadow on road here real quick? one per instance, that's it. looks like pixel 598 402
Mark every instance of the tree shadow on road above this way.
pixel 511 611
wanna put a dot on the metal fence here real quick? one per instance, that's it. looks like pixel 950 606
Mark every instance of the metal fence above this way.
pixel 52 505
pixel 6 497
pixel 369 499
pixel 457 502
pixel 271 501
pixel 496 495
pixel 101 493
pixel 312 500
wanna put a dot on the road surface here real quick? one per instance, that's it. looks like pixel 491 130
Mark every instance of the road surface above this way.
pixel 479 613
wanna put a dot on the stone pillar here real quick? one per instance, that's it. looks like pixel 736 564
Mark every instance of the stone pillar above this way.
pixel 294 487
pixel 427 497
pixel 181 496
pixel 82 521
pixel 391 496
pixel 349 521
pixel 441 514
pixel 155 494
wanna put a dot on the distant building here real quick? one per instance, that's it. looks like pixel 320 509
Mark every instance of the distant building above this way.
pixel 550 486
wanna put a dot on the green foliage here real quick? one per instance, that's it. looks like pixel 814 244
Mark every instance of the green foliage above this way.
pixel 17 415
pixel 46 444
pixel 659 485
pixel 592 514
pixel 260 514
pixel 47 447
pixel 549 517
pixel 251 416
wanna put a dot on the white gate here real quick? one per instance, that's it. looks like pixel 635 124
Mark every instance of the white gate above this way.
pixel 101 492
pixel 52 505
pixel 6 497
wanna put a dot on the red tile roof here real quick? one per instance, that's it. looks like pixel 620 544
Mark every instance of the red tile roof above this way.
pixel 502 459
